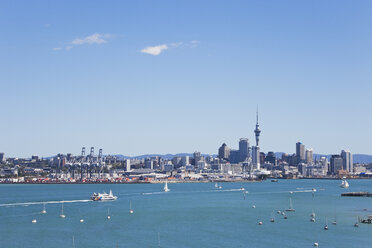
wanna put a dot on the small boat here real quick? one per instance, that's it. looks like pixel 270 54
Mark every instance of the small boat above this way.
pixel 312 219
pixel 357 223
pixel 254 206
pixel 344 184
pixel 326 225
pixel 285 217
pixel 334 222
pixel 62 215
pixel 260 223
pixel 44 210
pixel 103 197
pixel 367 220
pixel 130 208
pixel 34 221
pixel 316 244
pixel 274 180
pixel 272 217
pixel 279 212
pixel 166 189
pixel 290 209
pixel 242 189
pixel 216 185
pixel 81 220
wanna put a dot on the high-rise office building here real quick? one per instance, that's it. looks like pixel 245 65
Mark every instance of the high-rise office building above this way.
pixel 224 152
pixel 127 165
pixel 336 164
pixel 300 152
pixel 256 157
pixel 309 156
pixel 243 149
pixel 197 157
pixel 185 160
pixel 234 156
pixel 271 158
pixel 347 160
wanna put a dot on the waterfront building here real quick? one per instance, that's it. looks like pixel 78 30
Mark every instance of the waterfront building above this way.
pixel 243 149
pixel 336 164
pixel 309 156
pixel 347 160
pixel 224 152
pixel 324 163
pixel 300 152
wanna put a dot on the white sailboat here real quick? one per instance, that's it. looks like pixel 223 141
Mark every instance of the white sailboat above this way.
pixel 326 225
pixel 108 214
pixel 344 184
pixel 44 210
pixel 272 217
pixel 34 221
pixel 290 209
pixel 130 208
pixel 62 215
pixel 216 185
pixel 166 189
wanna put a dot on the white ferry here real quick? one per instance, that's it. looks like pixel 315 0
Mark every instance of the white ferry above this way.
pixel 103 197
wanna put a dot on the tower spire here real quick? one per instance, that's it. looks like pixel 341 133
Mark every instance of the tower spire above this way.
pixel 257 131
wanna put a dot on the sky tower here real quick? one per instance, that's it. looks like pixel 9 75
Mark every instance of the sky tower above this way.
pixel 257 131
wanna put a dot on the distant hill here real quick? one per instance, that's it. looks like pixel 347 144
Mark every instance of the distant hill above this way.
pixel 357 158
pixel 164 156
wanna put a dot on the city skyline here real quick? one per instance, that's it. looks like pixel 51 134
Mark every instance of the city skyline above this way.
pixel 144 77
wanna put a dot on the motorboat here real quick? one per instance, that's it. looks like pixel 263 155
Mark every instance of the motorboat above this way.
pixel 103 197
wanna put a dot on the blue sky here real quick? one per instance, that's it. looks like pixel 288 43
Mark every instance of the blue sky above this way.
pixel 136 77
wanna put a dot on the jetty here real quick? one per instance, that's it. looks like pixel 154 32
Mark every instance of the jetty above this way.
pixel 357 194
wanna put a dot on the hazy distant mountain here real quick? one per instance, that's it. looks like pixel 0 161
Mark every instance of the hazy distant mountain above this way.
pixel 165 156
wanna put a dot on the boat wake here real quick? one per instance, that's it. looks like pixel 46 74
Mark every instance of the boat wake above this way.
pixel 37 203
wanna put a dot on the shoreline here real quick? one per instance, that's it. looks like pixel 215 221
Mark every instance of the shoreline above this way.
pixel 182 181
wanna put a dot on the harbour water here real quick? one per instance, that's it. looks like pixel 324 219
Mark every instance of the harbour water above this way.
pixel 190 215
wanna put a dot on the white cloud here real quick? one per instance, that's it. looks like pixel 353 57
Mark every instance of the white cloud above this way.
pixel 68 48
pixel 91 39
pixel 155 50
pixel 194 43
pixel 176 44
pixel 57 48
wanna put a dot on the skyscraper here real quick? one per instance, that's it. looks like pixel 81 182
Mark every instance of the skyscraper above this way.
pixel 347 161
pixel 243 149
pixel 336 164
pixel 224 152
pixel 300 152
pixel 256 157
pixel 309 156
pixel 197 157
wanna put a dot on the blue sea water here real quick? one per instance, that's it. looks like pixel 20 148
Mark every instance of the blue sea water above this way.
pixel 190 215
